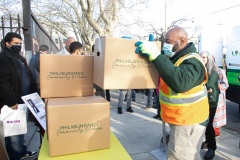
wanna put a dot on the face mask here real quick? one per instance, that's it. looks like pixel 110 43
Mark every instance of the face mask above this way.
pixel 16 48
pixel 168 49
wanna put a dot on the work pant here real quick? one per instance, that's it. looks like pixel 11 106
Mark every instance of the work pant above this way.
pixel 185 142
pixel 149 99
pixel 210 134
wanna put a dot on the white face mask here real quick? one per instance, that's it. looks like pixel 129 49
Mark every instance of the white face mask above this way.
pixel 168 49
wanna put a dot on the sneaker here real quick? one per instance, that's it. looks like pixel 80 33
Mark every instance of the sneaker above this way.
pixel 119 110
pixel 129 110
pixel 29 154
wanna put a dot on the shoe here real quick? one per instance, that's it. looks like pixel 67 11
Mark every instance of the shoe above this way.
pixel 29 154
pixel 119 110
pixel 209 154
pixel 148 107
pixel 129 110
pixel 134 100
pixel 156 116
pixel 125 99
pixel 204 145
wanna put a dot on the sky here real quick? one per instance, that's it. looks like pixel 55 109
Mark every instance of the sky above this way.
pixel 203 13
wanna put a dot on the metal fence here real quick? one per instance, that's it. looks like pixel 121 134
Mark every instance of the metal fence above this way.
pixel 39 35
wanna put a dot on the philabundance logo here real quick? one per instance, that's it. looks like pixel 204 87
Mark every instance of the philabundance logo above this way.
pixel 66 75
pixel 79 128
pixel 131 63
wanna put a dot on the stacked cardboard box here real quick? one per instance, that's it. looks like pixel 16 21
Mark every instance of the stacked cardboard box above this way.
pixel 77 121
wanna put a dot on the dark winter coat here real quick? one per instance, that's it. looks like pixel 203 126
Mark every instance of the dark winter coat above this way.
pixel 10 78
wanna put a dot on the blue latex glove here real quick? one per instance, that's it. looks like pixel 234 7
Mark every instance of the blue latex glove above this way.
pixel 146 48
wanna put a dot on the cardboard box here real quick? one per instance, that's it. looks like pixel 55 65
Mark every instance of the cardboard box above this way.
pixel 77 124
pixel 66 75
pixel 117 66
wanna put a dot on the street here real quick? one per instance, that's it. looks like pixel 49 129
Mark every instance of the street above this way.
pixel 233 117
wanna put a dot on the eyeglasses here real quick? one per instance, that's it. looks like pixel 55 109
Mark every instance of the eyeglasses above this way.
pixel 204 57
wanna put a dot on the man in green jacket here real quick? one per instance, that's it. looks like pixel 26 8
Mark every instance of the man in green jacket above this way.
pixel 186 138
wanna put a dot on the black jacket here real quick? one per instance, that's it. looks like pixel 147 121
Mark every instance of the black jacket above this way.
pixel 34 66
pixel 10 78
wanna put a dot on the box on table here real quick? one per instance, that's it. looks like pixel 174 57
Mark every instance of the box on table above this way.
pixel 117 66
pixel 77 124
pixel 66 75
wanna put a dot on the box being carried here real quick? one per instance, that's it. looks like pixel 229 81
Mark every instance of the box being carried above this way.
pixel 117 66
pixel 77 124
pixel 66 75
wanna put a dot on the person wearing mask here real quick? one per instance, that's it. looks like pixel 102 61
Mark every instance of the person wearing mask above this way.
pixel 183 95
pixel 76 48
pixel 213 95
pixel 15 81
pixel 66 49
pixel 34 64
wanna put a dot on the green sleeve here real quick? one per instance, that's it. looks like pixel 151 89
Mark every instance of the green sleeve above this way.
pixel 213 84
pixel 182 78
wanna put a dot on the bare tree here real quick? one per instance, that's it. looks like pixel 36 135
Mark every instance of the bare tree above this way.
pixel 87 19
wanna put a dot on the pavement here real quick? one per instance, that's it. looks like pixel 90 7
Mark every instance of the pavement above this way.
pixel 140 133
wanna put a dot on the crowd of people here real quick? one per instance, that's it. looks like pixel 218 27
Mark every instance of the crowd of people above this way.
pixel 190 96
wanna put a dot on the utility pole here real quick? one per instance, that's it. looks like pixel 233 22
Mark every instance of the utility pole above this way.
pixel 165 28
pixel 27 32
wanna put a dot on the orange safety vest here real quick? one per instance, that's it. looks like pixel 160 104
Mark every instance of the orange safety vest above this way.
pixel 186 108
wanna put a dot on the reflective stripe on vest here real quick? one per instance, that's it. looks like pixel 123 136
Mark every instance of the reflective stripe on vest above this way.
pixel 186 108
pixel 189 99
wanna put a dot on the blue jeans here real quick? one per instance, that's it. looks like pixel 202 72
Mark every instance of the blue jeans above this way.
pixel 157 104
pixel 121 95
pixel 15 147
pixel 133 94
pixel 149 100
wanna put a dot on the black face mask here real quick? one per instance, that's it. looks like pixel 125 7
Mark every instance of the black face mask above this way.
pixel 16 48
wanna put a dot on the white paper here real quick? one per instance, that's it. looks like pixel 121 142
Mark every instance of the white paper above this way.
pixel 36 105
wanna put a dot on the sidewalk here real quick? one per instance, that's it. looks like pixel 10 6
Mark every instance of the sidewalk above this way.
pixel 140 134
